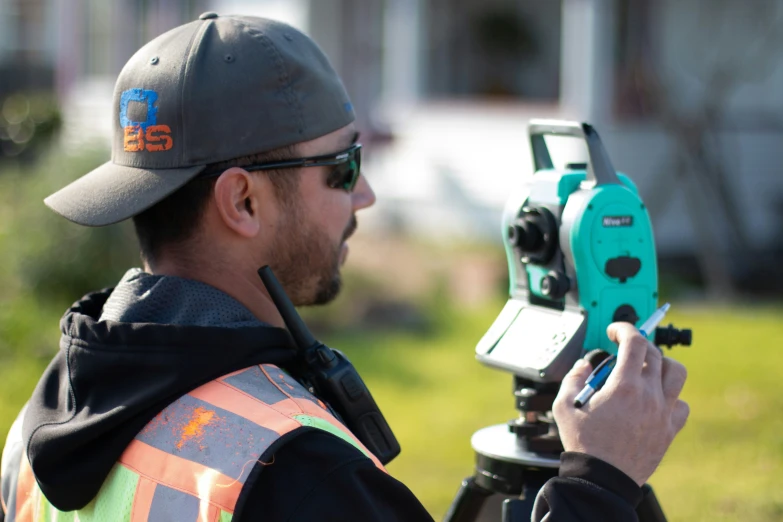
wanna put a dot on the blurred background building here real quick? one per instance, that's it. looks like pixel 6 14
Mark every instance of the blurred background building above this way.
pixel 685 93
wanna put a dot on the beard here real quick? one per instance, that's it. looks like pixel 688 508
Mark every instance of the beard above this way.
pixel 306 262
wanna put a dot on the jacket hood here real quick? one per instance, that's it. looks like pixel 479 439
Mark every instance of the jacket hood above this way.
pixel 109 379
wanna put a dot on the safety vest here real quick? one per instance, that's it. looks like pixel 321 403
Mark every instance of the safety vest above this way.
pixel 191 461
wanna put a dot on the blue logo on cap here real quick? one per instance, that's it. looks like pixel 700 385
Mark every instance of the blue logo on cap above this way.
pixel 142 96
pixel 143 135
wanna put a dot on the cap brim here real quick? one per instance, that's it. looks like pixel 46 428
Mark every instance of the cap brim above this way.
pixel 112 193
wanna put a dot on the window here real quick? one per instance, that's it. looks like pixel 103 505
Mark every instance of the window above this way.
pixel 502 49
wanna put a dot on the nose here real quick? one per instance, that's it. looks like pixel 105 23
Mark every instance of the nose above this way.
pixel 362 195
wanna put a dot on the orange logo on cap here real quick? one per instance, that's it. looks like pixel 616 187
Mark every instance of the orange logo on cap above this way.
pixel 155 139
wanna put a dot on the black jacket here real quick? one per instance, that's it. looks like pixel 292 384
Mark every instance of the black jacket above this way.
pixel 110 379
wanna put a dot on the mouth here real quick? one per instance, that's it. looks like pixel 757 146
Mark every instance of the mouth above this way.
pixel 350 229
pixel 343 253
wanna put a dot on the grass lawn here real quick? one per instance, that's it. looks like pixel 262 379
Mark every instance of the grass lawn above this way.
pixel 726 465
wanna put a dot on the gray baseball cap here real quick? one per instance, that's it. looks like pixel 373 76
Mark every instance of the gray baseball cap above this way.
pixel 212 90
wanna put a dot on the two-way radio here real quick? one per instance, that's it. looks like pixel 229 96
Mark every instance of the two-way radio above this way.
pixel 334 379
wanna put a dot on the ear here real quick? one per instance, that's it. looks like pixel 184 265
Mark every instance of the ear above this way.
pixel 236 199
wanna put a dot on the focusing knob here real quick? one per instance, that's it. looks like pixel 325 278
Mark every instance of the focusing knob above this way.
pixel 526 235
pixel 555 285
pixel 534 234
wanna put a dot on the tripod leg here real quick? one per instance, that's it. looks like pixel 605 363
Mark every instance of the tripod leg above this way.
pixel 516 510
pixel 649 510
pixel 521 509
pixel 468 502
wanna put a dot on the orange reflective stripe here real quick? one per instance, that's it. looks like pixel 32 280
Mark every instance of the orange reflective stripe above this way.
pixel 25 487
pixel 142 502
pixel 234 400
pixel 181 474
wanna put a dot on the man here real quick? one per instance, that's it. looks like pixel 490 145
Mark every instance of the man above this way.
pixel 173 396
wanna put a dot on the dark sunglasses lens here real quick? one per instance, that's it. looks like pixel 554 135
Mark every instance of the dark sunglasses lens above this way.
pixel 340 176
pixel 355 162
pixel 346 174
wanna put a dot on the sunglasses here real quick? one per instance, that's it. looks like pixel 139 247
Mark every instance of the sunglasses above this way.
pixel 347 167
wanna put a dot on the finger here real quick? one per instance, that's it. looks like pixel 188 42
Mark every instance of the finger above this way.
pixel 673 375
pixel 574 380
pixel 680 415
pixel 631 351
pixel 653 365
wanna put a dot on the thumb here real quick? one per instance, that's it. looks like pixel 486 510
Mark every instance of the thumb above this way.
pixel 575 379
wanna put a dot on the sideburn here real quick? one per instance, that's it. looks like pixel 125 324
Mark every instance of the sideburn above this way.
pixel 301 256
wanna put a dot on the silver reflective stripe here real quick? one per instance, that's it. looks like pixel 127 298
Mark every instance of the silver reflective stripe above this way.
pixel 9 472
pixel 286 383
pixel 169 504
pixel 201 432
pixel 14 437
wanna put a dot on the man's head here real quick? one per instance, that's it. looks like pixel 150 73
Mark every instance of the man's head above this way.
pixel 200 114
pixel 296 219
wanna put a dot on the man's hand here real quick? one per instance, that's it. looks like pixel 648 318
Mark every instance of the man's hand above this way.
pixel 633 419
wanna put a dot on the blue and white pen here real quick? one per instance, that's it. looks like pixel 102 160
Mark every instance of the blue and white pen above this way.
pixel 598 377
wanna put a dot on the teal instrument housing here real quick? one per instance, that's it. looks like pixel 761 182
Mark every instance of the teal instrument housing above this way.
pixel 612 223
pixel 581 255
pixel 592 245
